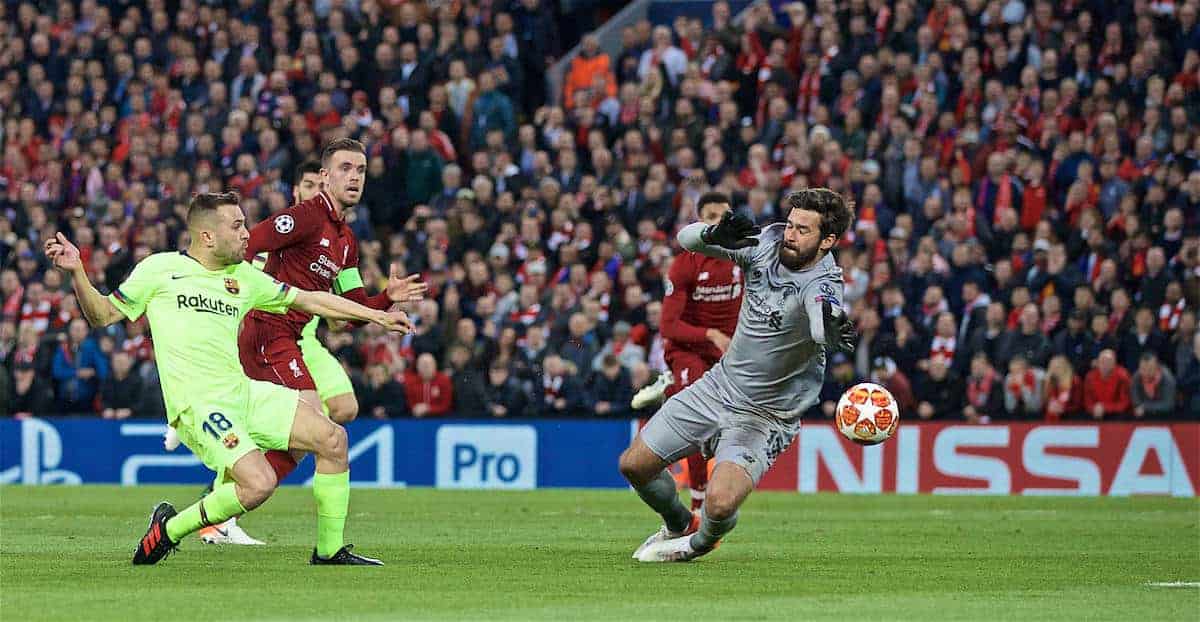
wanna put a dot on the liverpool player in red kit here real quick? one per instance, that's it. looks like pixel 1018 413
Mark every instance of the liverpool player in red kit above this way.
pixel 309 245
pixel 699 314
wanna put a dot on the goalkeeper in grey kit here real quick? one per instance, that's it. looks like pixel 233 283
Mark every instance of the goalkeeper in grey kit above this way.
pixel 745 411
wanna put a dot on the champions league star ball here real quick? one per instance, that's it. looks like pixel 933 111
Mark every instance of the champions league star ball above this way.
pixel 867 414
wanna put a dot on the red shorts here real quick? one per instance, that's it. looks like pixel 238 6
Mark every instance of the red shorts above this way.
pixel 686 367
pixel 272 356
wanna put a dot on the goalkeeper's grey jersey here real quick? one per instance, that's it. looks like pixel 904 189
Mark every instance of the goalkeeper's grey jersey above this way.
pixel 776 360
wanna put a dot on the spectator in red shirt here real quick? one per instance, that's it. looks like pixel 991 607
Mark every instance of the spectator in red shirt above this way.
pixel 1142 163
pixel 1063 390
pixel 1106 389
pixel 428 390
pixel 1033 200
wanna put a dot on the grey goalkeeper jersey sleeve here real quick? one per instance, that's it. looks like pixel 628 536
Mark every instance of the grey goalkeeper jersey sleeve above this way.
pixel 776 360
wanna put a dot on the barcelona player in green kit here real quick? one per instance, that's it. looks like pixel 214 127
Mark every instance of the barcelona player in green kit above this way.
pixel 309 246
pixel 195 301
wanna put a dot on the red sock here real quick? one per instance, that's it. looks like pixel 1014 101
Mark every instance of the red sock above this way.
pixel 282 462
pixel 697 478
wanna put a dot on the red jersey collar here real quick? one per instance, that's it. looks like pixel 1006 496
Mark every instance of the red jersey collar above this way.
pixel 328 203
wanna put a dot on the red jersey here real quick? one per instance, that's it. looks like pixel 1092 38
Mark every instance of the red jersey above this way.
pixel 437 393
pixel 306 246
pixel 701 293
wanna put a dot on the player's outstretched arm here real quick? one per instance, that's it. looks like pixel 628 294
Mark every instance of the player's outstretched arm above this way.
pixel 98 309
pixel 727 239
pixel 399 290
pixel 840 333
pixel 334 307
pixel 734 231
pixel 405 289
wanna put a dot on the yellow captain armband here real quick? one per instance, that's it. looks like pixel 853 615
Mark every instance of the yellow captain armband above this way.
pixel 347 280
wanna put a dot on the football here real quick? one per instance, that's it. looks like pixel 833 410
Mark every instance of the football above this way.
pixel 867 414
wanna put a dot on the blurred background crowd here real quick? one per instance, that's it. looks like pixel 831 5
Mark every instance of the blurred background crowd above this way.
pixel 1026 174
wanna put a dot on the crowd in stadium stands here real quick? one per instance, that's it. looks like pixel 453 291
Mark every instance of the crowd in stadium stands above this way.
pixel 1026 173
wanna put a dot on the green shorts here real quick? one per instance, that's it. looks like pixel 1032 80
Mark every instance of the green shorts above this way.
pixel 327 373
pixel 220 430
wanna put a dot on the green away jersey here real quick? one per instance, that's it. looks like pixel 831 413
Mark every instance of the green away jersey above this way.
pixel 195 315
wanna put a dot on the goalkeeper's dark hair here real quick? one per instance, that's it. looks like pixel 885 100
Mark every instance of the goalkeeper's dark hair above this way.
pixel 205 204
pixel 712 197
pixel 836 212
pixel 306 167
pixel 341 144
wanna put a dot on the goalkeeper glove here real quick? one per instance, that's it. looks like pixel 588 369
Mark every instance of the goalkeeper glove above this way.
pixel 733 232
pixel 840 334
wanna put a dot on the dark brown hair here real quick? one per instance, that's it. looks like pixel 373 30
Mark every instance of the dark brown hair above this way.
pixel 206 203
pixel 341 144
pixel 836 213
pixel 307 166
pixel 711 197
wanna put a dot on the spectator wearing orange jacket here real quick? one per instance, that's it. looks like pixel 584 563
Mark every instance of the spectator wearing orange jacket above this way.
pixel 590 63
pixel 429 391
pixel 1106 391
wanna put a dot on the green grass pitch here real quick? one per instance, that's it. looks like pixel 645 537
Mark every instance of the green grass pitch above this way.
pixel 565 555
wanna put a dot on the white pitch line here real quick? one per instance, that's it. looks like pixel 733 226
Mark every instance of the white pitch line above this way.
pixel 1174 584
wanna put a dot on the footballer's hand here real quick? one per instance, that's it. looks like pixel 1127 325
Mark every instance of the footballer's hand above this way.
pixel 733 232
pixel 62 253
pixel 717 338
pixel 405 289
pixel 840 334
pixel 395 321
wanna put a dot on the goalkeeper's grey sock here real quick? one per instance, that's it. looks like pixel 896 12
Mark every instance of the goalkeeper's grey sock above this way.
pixel 711 531
pixel 659 493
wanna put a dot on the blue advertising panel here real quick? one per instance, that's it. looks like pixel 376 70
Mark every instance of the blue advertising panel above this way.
pixel 523 454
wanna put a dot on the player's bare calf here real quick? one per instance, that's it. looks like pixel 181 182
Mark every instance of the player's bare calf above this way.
pixel 646 472
pixel 254 480
pixel 727 490
pixel 314 433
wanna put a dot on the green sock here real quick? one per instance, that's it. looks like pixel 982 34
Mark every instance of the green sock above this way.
pixel 220 505
pixel 332 492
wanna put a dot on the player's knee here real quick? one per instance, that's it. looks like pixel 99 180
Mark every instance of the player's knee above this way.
pixel 343 410
pixel 333 442
pixel 256 487
pixel 720 504
pixel 632 468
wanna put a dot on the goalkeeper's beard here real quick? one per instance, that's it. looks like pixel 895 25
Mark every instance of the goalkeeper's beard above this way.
pixel 796 258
